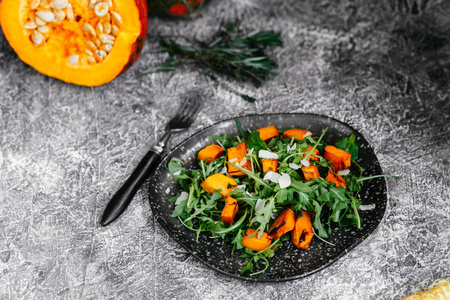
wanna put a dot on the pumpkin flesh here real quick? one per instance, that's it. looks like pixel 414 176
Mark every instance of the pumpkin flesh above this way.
pixel 73 47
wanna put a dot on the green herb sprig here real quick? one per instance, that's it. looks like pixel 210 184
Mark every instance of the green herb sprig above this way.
pixel 230 52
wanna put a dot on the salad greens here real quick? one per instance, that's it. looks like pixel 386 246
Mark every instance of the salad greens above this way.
pixel 260 200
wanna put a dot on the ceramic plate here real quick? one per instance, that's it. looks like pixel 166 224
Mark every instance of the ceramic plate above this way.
pixel 289 262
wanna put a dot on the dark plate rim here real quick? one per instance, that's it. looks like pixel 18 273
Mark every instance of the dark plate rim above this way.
pixel 262 279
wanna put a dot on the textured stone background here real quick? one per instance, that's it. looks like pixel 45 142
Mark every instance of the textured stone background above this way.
pixel 65 149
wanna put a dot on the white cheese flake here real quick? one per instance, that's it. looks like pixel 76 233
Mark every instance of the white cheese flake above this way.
pixel 267 154
pixel 367 207
pixel 305 162
pixel 259 204
pixel 294 166
pixel 242 186
pixel 177 173
pixel 233 160
pixel 243 161
pixel 284 181
pixel 183 196
pixel 309 133
pixel 223 171
pixel 272 176
pixel 343 172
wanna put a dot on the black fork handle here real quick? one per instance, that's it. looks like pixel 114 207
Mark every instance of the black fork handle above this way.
pixel 119 202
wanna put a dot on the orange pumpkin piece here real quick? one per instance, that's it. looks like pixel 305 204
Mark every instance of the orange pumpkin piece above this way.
pixel 283 223
pixel 235 156
pixel 298 134
pixel 266 133
pixel 340 159
pixel 219 182
pixel 269 164
pixel 303 233
pixel 311 157
pixel 310 172
pixel 229 210
pixel 210 153
pixel 337 179
pixel 254 243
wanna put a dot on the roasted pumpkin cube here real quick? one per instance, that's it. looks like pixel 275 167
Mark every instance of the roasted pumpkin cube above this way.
pixel 302 233
pixel 282 224
pixel 254 243
pixel 340 159
pixel 310 172
pixel 298 134
pixel 219 182
pixel 229 210
pixel 337 179
pixel 236 155
pixel 210 153
pixel 266 133
pixel 269 164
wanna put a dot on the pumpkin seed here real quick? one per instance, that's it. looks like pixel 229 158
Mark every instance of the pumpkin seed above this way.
pixel 114 30
pixel 37 38
pixel 35 4
pixel 30 25
pixel 73 59
pixel 100 54
pixel 97 42
pixel 43 29
pixel 117 18
pixel 107 48
pixel 88 27
pixel 107 28
pixel 101 9
pixel 69 12
pixel 91 59
pixel 59 15
pixel 89 52
pixel 99 28
pixel 59 4
pixel 39 21
pixel 45 15
pixel 44 5
pixel 106 39
pixel 91 45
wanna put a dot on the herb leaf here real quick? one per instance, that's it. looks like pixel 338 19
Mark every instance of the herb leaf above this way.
pixel 349 145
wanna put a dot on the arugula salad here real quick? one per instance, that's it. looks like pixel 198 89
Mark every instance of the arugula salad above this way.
pixel 267 187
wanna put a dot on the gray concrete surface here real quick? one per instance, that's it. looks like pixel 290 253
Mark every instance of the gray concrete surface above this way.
pixel 65 149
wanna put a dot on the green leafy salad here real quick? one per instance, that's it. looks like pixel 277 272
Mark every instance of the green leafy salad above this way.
pixel 267 187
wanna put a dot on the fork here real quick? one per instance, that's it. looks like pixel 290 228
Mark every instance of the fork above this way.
pixel 185 116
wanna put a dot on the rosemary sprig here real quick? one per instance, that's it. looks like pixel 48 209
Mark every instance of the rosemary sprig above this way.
pixel 240 56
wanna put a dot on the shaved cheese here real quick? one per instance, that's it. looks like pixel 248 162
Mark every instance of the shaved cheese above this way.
pixel 294 166
pixel 177 173
pixel 309 133
pixel 183 196
pixel 305 162
pixel 242 186
pixel 367 207
pixel 223 171
pixel 267 154
pixel 250 151
pixel 259 204
pixel 284 181
pixel 272 176
pixel 233 160
pixel 243 161
pixel 343 172
pixel 293 147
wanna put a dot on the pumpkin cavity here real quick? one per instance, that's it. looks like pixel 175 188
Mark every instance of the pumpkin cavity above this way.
pixel 85 31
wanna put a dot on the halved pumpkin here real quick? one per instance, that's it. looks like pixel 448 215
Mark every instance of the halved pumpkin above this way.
pixel 84 42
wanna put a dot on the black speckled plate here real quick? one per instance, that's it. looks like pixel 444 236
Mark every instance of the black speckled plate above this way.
pixel 289 262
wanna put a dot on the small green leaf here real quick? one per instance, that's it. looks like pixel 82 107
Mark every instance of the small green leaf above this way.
pixel 349 145
pixel 254 141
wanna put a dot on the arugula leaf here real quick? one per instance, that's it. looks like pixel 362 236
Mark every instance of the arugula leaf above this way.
pixel 349 145
pixel 239 126
pixel 254 141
